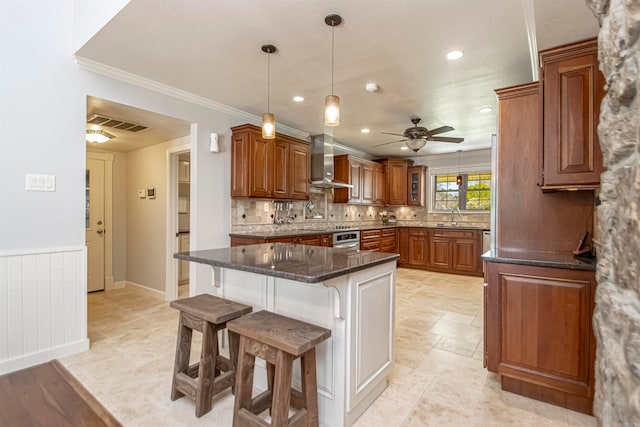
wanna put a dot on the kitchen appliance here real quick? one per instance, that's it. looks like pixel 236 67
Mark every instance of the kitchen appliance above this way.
pixel 346 239
pixel 322 163
pixel 486 241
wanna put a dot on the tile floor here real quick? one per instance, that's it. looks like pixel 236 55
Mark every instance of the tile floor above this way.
pixel 437 380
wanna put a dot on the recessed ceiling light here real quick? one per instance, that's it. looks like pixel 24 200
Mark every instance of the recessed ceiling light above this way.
pixel 371 87
pixel 404 147
pixel 365 130
pixel 298 98
pixel 486 109
pixel 454 54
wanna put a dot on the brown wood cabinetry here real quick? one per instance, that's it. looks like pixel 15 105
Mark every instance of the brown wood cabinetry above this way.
pixel 455 250
pixel 364 175
pixel 416 177
pixel 418 246
pixel 539 334
pixel 396 173
pixel 440 252
pixel 573 88
pixel 307 239
pixel 388 240
pixel 370 240
pixel 403 245
pixel 276 168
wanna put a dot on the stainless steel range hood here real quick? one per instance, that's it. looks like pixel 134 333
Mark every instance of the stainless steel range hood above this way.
pixel 322 163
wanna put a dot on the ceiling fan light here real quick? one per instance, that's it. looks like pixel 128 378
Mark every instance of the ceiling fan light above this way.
pixel 416 144
pixel 332 110
pixel 268 126
pixel 97 136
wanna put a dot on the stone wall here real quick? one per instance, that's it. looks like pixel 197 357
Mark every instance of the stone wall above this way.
pixel 617 315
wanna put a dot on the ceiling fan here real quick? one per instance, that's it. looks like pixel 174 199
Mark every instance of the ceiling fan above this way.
pixel 418 136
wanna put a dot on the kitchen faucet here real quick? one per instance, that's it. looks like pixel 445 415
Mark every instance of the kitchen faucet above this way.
pixel 453 212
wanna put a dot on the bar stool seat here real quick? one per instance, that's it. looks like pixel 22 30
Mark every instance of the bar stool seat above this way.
pixel 278 340
pixel 203 380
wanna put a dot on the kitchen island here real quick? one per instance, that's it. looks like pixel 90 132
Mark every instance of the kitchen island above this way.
pixel 350 292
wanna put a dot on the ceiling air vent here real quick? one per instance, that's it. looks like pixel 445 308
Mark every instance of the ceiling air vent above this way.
pixel 99 120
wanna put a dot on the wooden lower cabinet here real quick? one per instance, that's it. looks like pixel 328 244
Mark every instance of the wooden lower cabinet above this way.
pixel 308 239
pixel 440 253
pixel 370 240
pixel 403 245
pixel 417 247
pixel 538 332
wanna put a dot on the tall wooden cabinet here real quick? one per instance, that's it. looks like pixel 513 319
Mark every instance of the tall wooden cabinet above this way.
pixel 396 177
pixel 416 176
pixel 573 88
pixel 277 168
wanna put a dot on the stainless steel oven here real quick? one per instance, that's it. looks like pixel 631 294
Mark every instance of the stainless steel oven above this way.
pixel 346 239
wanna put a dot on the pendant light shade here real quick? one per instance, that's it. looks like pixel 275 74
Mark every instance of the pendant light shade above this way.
pixel 268 119
pixel 332 102
pixel 459 177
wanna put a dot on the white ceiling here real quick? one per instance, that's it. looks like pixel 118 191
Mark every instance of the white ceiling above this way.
pixel 212 49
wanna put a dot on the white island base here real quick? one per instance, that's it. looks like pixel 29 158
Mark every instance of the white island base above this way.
pixel 358 308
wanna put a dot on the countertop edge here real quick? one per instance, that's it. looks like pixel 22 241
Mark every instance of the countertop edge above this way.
pixel 284 275
pixel 288 233
pixel 539 263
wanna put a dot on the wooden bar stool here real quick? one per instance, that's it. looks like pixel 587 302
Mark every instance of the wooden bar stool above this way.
pixel 203 380
pixel 278 340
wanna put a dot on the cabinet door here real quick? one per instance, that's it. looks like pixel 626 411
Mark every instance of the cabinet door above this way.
pixel 416 189
pixel 240 154
pixel 417 248
pixel 327 240
pixel 403 245
pixel 573 90
pixel 396 182
pixel 183 266
pixel 379 185
pixel 280 169
pixel 368 182
pixel 261 184
pixel 315 240
pixel 465 255
pixel 440 252
pixel 539 329
pixel 355 172
pixel 299 171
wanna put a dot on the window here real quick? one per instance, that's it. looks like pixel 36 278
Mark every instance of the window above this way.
pixel 473 195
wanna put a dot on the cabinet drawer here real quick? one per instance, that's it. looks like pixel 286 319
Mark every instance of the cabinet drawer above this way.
pixel 388 232
pixel 369 234
pixel 419 232
pixel 388 244
pixel 373 245
pixel 454 233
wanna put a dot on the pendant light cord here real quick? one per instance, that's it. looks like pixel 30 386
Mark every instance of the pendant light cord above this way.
pixel 332 54
pixel 268 82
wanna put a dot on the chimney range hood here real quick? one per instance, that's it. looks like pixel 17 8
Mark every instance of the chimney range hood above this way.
pixel 322 163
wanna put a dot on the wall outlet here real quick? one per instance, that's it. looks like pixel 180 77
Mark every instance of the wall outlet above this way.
pixel 36 182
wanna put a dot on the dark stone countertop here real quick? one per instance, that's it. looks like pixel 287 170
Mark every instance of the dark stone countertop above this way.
pixel 539 259
pixel 310 264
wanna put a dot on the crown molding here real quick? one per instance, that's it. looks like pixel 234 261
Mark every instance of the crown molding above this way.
pixel 136 80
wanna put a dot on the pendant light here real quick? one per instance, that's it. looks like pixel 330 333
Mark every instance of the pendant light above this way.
pixel 268 119
pixel 332 102
pixel 459 177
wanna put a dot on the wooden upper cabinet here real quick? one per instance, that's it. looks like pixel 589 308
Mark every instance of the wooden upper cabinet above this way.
pixel 573 88
pixel 396 170
pixel 416 177
pixel 379 185
pixel 280 170
pixel 365 177
pixel 299 170
pixel 277 168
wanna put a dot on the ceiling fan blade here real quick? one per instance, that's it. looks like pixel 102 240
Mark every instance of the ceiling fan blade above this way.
pixel 446 139
pixel 441 129
pixel 392 142
pixel 394 134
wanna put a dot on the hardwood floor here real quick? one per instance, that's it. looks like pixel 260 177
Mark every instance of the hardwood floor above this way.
pixel 48 395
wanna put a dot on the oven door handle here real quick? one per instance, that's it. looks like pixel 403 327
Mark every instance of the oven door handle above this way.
pixel 347 245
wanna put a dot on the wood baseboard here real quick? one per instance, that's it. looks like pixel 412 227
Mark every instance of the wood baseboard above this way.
pixel 548 395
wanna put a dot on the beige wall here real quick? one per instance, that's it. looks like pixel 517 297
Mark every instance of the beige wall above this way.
pixel 146 218
pixel 119 217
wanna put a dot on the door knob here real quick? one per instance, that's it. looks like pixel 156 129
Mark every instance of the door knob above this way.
pixel 99 231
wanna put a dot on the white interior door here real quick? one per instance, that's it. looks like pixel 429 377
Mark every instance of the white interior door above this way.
pixel 94 224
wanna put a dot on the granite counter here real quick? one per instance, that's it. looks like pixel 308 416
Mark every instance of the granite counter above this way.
pixel 539 259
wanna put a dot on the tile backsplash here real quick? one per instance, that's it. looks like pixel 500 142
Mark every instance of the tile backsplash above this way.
pixel 320 212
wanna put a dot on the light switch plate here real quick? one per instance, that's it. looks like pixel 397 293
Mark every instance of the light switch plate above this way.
pixel 39 182
pixel 142 194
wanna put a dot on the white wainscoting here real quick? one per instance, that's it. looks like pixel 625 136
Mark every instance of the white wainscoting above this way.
pixel 43 306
